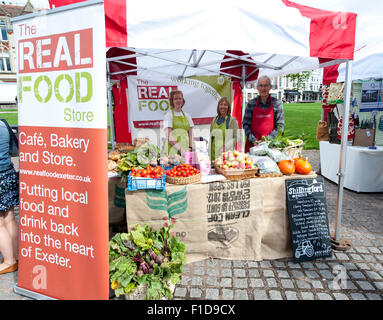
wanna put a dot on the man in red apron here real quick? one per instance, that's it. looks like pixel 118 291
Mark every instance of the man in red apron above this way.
pixel 263 115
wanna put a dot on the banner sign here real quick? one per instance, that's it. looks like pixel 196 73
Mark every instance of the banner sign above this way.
pixel 371 96
pixel 148 99
pixel 61 76
pixel 307 210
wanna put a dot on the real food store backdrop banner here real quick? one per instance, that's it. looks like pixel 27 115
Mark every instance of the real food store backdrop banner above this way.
pixel 63 250
pixel 148 99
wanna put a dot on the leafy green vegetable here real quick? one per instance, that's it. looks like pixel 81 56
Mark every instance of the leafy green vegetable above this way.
pixel 145 257
pixel 281 142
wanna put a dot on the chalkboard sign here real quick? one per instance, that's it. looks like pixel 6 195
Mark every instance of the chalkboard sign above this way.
pixel 307 210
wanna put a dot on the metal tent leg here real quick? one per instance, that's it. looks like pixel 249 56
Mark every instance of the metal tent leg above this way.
pixel 337 243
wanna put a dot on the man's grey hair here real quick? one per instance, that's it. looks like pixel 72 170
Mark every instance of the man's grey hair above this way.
pixel 264 77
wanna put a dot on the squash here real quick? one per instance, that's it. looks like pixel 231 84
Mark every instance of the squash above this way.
pixel 297 159
pixel 303 166
pixel 287 167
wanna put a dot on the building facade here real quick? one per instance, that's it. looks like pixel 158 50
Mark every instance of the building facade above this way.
pixel 286 90
pixel 8 66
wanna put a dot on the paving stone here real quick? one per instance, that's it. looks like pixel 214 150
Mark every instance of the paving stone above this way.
pixel 256 283
pixel 324 296
pixel 307 265
pixel 317 284
pixel 227 294
pixel 356 256
pixel 212 281
pixel 225 263
pixel 271 282
pixel 260 295
pixel 268 273
pixel 312 274
pixel 368 257
pixel 226 282
pixel 307 296
pixel 265 264
pixel 287 283
pixel 196 281
pixel 341 256
pixel 364 285
pixel 374 275
pixel 374 250
pixel 279 264
pixel 291 295
pixel 350 266
pixel 252 264
pixel 212 293
pixel 340 296
pixel 361 249
pixel 297 274
pixel 253 273
pixel 321 265
pixel 373 296
pixel 377 266
pixel 283 274
pixel 240 283
pixel 180 292
pixel 239 273
pixel 212 272
pixel 358 296
pixel 241 295
pixel 212 263
pixel 199 270
pixel 226 273
pixel 275 295
pixel 363 266
pixel 293 265
pixel 302 284
pixel 356 275
pixel 238 264
pixel 326 274
pixel 379 285
pixel 195 293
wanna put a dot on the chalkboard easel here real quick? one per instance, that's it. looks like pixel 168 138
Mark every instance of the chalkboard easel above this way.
pixel 307 210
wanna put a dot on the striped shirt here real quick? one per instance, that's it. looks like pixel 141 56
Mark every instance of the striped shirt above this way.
pixel 279 120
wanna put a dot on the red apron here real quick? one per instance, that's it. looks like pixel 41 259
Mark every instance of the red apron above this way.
pixel 262 123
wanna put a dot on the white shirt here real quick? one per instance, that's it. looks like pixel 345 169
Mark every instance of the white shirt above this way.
pixel 168 119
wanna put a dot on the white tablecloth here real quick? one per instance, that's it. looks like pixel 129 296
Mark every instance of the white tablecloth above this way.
pixel 364 167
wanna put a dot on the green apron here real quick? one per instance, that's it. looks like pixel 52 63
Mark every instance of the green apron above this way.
pixel 217 143
pixel 182 125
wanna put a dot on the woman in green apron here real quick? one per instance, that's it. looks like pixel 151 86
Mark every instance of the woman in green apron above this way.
pixel 178 125
pixel 223 130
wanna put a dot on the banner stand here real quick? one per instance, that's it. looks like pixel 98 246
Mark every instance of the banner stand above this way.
pixel 31 294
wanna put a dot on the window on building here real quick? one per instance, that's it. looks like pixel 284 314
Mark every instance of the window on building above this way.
pixel 3 28
pixel 5 64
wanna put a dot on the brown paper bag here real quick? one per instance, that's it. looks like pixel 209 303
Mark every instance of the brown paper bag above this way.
pixel 322 131
pixel 364 137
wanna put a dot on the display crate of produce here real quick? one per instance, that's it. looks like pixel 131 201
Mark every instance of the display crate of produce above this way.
pixel 137 183
pixel 237 174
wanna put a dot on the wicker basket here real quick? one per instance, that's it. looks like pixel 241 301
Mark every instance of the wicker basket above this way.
pixel 292 151
pixel 239 174
pixel 184 180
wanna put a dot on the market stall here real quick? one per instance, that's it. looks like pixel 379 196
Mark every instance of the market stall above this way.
pixel 162 43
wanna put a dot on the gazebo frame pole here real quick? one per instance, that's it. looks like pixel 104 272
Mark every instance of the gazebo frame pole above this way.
pixel 243 84
pixel 111 116
pixel 343 149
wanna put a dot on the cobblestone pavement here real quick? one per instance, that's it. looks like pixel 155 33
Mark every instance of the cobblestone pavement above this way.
pixel 361 267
